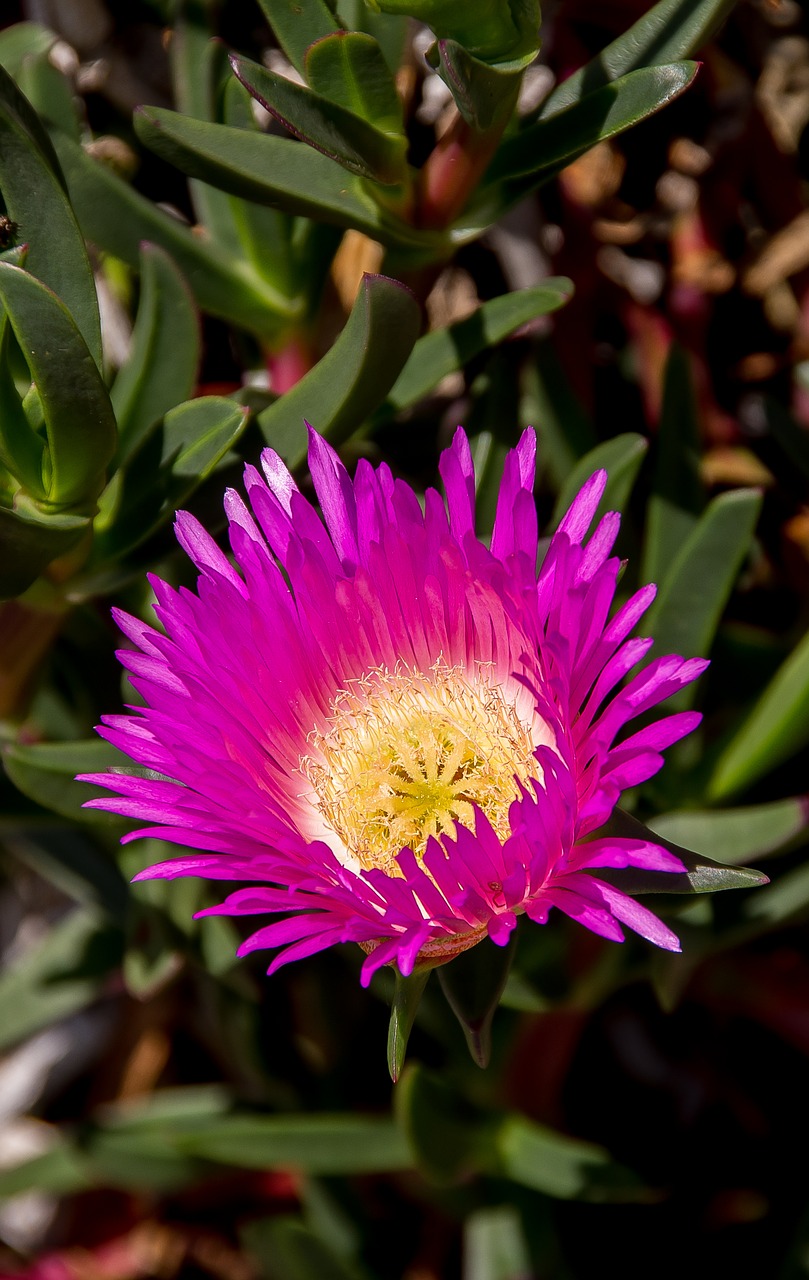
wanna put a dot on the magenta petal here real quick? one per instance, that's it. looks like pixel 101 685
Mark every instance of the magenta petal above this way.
pixel 243 724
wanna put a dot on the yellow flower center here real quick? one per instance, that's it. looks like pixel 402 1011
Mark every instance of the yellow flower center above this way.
pixel 407 754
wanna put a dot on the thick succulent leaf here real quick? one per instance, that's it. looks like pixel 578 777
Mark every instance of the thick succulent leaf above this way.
pixel 297 24
pixel 484 93
pixel 198 66
pixel 29 541
pixel 354 376
pixel 274 171
pixel 490 29
pixel 21 41
pixel 703 874
pixel 549 145
pixel 35 196
pixel 407 993
pixel 46 772
pixel 669 31
pixel 270 240
pixel 441 352
pixel 621 458
pixel 349 69
pixel 56 977
pixel 776 727
pixel 351 140
pixel 473 983
pixel 161 370
pixel 677 496
pixel 693 593
pixel 170 463
pixel 49 93
pixel 78 416
pixel 736 835
pixel 21 446
pixel 117 219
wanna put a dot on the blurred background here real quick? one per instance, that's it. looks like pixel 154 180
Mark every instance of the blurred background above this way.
pixel 168 1111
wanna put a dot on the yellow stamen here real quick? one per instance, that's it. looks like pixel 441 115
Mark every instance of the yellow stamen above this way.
pixel 406 755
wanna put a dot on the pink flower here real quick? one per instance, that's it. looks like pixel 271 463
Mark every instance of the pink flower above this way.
pixel 402 737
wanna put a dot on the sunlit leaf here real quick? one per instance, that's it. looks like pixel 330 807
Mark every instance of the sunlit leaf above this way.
pixel 349 69
pixel 35 197
pixel 297 24
pixel 118 219
pixel 550 144
pixel 441 352
pixel 670 30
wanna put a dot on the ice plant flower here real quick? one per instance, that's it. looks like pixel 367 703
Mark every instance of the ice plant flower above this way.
pixel 399 736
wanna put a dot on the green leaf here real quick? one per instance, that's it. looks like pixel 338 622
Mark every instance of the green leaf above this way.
pixel 670 30
pixel 692 596
pixel 168 466
pixel 444 1132
pixel 297 24
pixel 776 727
pixel 340 134
pixel 354 376
pixel 273 171
pixel 490 29
pixel 484 93
pixel 558 1166
pixel 473 983
pixel 677 496
pixel 34 193
pixel 441 352
pixel 494 1245
pixel 49 93
pixel 566 433
pixel 549 145
pixel 161 370
pixel 46 772
pixel 29 541
pixel 62 1171
pixel 286 1249
pixel 407 993
pixel 57 976
pixel 117 219
pixel 270 240
pixel 21 445
pixel 78 416
pixel 621 458
pixel 349 69
pixel 198 65
pixel 702 874
pixel 21 41
pixel 326 1145
pixel 734 835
